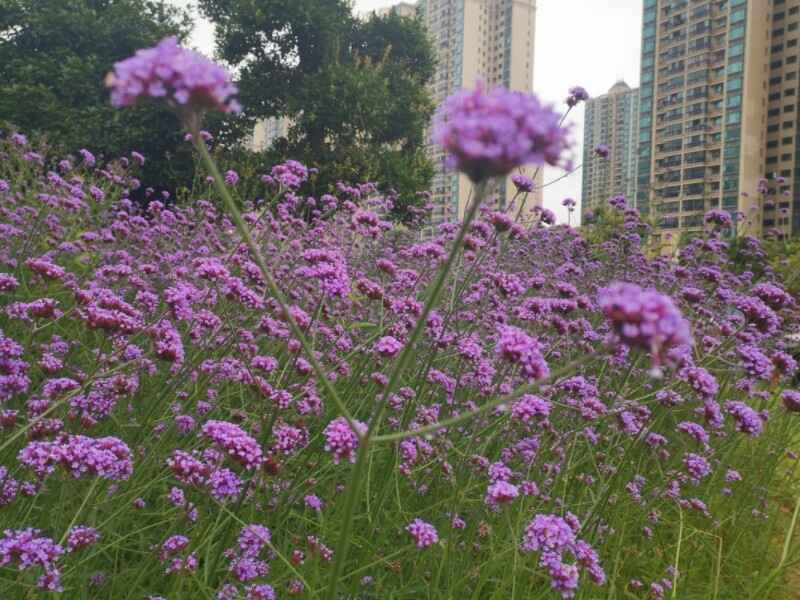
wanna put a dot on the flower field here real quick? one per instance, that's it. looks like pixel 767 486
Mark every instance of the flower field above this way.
pixel 304 399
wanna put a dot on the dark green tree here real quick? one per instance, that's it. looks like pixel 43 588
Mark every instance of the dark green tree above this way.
pixel 355 90
pixel 54 55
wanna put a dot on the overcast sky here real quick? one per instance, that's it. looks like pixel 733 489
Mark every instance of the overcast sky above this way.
pixel 591 43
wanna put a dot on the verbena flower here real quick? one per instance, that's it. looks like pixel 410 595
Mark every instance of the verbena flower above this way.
pixel 644 318
pixel 424 534
pixel 490 134
pixel 180 76
pixel 341 441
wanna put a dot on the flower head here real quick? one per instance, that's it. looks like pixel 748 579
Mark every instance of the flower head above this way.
pixel 576 95
pixel 489 134
pixel 424 534
pixel 602 150
pixel 183 77
pixel 644 318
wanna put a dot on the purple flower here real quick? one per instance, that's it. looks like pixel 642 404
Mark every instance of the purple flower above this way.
pixel 602 150
pixel 490 134
pixel 501 492
pixel 239 446
pixel 576 95
pixel 342 441
pixel 791 400
pixel 719 217
pixel 259 591
pixel 388 346
pixel 88 158
pixel 231 177
pixel 27 548
pixel 529 407
pixel 697 466
pixel 424 534
pixel 755 362
pixel 645 318
pixel 81 536
pixel 747 420
pixel 252 539
pixel 182 77
pixel 547 533
pixel 106 457
pixel 290 174
pixel 523 183
pixel 516 346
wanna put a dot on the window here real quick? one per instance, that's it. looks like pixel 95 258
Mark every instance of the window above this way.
pixel 788 108
pixel 734 116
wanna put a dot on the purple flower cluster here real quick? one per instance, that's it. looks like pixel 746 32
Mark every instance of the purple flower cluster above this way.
pixel 516 346
pixel 424 534
pixel 106 457
pixel 489 134
pixel 26 549
pixel 232 438
pixel 645 318
pixel 168 71
pixel 341 441
pixel 553 537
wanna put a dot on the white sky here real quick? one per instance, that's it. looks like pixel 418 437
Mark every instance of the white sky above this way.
pixel 591 43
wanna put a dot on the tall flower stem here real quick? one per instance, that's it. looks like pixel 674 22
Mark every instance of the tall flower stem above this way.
pixel 244 231
pixel 357 478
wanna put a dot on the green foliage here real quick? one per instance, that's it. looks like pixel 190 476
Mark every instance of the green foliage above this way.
pixel 784 256
pixel 54 55
pixel 354 90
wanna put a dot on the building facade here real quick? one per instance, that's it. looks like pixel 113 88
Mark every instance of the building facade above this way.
pixel 781 204
pixel 611 120
pixel 703 112
pixel 488 40
pixel 267 131
pixel 403 9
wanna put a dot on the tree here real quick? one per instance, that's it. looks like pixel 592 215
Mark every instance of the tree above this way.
pixel 54 55
pixel 355 90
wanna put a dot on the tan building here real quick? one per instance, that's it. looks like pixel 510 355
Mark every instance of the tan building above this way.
pixel 611 120
pixel 404 9
pixel 781 210
pixel 492 40
pixel 703 111
pixel 267 131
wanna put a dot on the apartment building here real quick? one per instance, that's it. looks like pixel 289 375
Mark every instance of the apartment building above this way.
pixel 267 131
pixel 611 120
pixel 403 9
pixel 703 115
pixel 489 40
pixel 781 206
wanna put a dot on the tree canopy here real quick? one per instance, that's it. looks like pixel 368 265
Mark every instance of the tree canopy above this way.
pixel 354 89
pixel 54 55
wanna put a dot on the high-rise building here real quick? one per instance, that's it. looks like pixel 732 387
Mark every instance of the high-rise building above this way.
pixel 489 40
pixel 403 9
pixel 611 120
pixel 703 111
pixel 781 207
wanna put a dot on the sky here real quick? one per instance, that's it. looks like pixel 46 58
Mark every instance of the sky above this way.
pixel 592 43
